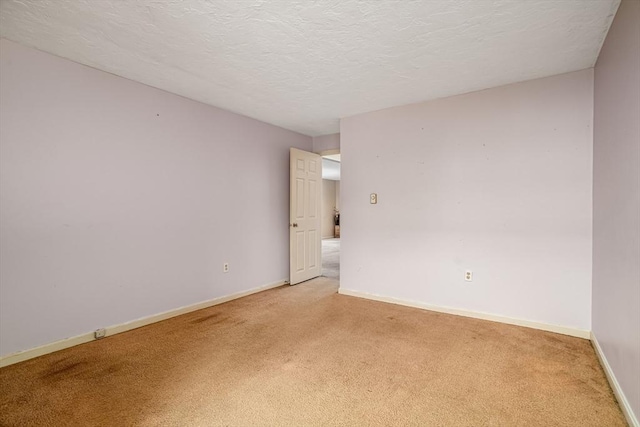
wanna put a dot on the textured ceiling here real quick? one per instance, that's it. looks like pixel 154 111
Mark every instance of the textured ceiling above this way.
pixel 303 64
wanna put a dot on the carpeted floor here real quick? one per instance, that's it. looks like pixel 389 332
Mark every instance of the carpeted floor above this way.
pixel 331 258
pixel 304 355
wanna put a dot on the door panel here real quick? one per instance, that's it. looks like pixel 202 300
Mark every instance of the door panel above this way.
pixel 299 203
pixel 313 255
pixel 304 221
pixel 300 254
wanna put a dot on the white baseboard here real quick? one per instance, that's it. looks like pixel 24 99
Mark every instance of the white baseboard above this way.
pixel 622 399
pixel 475 314
pixel 123 327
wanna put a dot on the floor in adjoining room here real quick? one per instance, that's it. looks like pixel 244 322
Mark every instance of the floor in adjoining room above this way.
pixel 305 355
pixel 331 258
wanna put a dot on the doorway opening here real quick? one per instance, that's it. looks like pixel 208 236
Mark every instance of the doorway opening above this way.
pixel 331 214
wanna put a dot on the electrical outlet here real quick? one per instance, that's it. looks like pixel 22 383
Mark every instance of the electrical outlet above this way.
pixel 373 198
pixel 468 276
pixel 100 333
pixel 225 267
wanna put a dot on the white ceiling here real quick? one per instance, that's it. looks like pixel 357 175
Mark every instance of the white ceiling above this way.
pixel 303 64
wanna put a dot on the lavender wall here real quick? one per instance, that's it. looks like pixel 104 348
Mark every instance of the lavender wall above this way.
pixel 616 201
pixel 497 181
pixel 326 142
pixel 119 201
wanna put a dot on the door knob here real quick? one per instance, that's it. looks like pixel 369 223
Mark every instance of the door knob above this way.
pixel 294 224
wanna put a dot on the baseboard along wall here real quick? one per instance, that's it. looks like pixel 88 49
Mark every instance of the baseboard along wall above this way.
pixel 615 386
pixel 21 356
pixel 474 314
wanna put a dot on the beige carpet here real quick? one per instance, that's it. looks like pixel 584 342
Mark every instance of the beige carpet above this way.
pixel 304 355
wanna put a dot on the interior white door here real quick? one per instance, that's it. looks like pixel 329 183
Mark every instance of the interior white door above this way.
pixel 304 219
